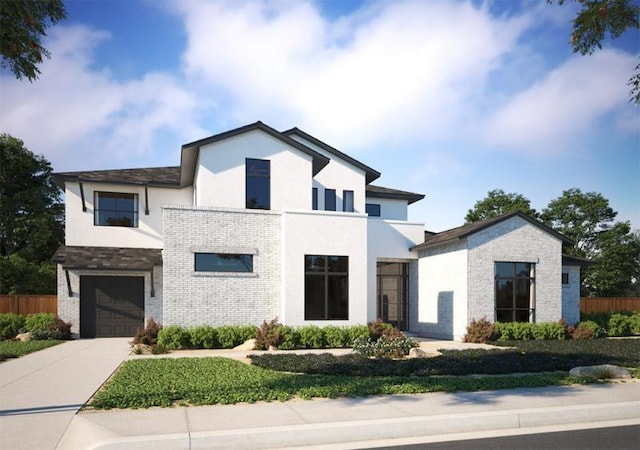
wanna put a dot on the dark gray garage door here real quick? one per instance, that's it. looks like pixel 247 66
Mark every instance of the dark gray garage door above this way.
pixel 111 306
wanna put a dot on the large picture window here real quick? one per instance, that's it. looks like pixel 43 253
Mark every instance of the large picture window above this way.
pixel 115 209
pixel 258 187
pixel 223 262
pixel 515 291
pixel 326 287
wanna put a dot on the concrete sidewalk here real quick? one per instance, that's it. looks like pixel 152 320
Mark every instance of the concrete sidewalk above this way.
pixel 40 393
pixel 353 422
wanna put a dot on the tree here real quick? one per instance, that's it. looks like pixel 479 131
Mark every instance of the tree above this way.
pixel 618 270
pixel 22 25
pixel 598 20
pixel 497 203
pixel 31 217
pixel 581 217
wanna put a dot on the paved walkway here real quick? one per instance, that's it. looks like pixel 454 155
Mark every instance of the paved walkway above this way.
pixel 40 393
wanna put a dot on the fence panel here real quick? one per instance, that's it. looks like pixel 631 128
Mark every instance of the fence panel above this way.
pixel 28 304
pixel 609 304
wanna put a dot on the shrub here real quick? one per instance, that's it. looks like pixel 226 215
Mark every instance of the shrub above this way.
pixel 10 325
pixel 549 330
pixel 39 321
pixel 619 325
pixel 245 332
pixel 635 322
pixel 379 328
pixel 384 347
pixel 311 336
pixel 147 335
pixel 479 331
pixel 357 331
pixel 204 336
pixel 174 337
pixel 232 336
pixel 290 338
pixel 57 330
pixel 336 337
pixel 268 335
pixel 587 330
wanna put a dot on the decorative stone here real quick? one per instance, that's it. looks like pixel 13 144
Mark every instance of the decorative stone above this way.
pixel 24 337
pixel 601 371
pixel 141 349
pixel 248 345
pixel 417 352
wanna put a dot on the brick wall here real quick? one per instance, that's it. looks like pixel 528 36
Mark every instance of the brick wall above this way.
pixel 195 298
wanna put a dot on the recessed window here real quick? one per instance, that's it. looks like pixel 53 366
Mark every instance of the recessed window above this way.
pixel 347 201
pixel 326 287
pixel 115 209
pixel 258 187
pixel 223 262
pixel 515 288
pixel 372 209
pixel 314 198
pixel 565 278
pixel 330 199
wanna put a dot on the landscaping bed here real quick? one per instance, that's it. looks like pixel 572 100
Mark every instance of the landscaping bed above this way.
pixel 15 349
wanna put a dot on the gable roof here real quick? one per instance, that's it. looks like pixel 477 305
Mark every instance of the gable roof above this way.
pixel 568 260
pixel 150 176
pixel 394 194
pixel 371 174
pixel 459 233
pixel 189 155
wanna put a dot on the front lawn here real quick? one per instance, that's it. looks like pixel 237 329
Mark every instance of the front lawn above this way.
pixel 15 349
pixel 165 382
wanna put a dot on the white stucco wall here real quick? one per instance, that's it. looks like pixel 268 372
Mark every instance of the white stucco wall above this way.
pixel 514 240
pixel 221 180
pixel 571 295
pixel 442 308
pixel 391 209
pixel 323 233
pixel 389 240
pixel 80 228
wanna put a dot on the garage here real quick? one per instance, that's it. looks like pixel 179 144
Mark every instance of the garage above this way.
pixel 111 306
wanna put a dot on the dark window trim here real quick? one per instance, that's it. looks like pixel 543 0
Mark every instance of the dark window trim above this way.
pixel 565 277
pixel 97 209
pixel 314 198
pixel 345 207
pixel 246 262
pixel 249 176
pixel 330 200
pixel 373 209
pixel 514 276
pixel 326 274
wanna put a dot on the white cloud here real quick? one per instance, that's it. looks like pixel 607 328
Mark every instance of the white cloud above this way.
pixel 75 110
pixel 558 111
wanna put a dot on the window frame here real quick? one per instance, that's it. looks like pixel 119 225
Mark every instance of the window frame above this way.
pixel 347 201
pixel 314 198
pixel 512 282
pixel 368 209
pixel 97 209
pixel 246 260
pixel 565 278
pixel 330 278
pixel 330 200
pixel 251 181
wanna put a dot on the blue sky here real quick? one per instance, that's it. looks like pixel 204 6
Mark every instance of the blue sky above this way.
pixel 447 98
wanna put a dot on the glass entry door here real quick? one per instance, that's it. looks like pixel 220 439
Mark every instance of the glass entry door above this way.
pixel 392 293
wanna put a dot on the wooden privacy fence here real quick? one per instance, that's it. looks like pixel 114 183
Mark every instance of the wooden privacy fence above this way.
pixel 28 304
pixel 605 304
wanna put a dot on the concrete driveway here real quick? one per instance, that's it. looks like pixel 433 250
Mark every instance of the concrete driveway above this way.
pixel 41 392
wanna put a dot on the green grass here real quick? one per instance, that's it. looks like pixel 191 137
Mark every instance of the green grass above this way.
pixel 203 381
pixel 15 349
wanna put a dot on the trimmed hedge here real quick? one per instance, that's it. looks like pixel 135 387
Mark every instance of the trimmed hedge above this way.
pixel 622 323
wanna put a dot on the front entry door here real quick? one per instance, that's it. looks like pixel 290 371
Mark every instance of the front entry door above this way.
pixel 392 293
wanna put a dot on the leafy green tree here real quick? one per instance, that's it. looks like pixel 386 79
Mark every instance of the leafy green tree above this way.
pixel 618 270
pixel 22 26
pixel 598 20
pixel 31 219
pixel 497 203
pixel 581 217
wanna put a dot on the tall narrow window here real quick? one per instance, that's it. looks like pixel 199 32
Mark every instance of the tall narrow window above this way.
pixel 115 209
pixel 258 187
pixel 330 199
pixel 347 201
pixel 314 198
pixel 326 287
pixel 515 290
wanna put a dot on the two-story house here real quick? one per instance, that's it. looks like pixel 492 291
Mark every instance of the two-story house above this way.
pixel 256 224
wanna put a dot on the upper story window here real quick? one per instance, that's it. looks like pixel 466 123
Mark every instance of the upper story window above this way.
pixel 314 198
pixel 347 201
pixel 372 209
pixel 115 209
pixel 330 199
pixel 223 262
pixel 258 187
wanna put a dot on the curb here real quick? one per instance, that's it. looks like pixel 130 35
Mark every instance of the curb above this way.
pixel 357 431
